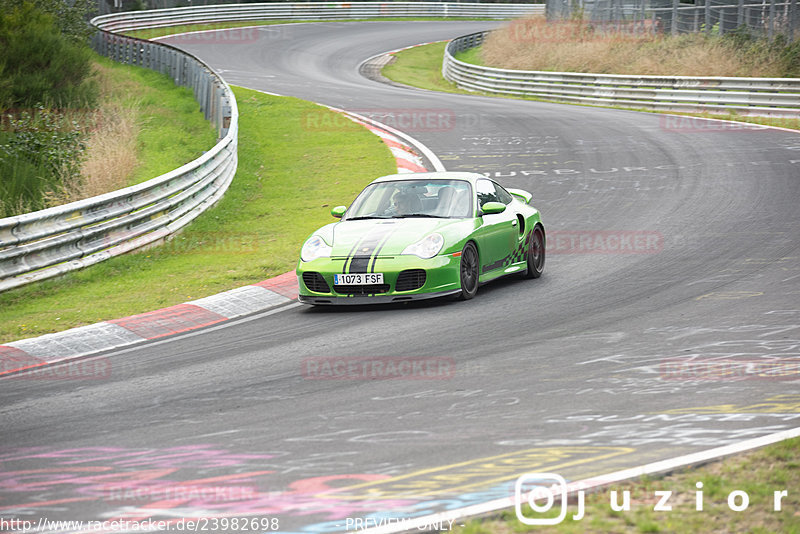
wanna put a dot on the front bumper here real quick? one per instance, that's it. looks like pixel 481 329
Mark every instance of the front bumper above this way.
pixel 441 279
pixel 355 300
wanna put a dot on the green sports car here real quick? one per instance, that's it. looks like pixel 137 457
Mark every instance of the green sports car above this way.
pixel 419 236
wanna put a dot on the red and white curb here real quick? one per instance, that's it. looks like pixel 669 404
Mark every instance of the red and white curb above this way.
pixel 61 347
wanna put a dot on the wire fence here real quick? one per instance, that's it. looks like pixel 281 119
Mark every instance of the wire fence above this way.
pixel 762 18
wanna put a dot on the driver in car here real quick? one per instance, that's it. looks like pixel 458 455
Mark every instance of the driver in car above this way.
pixel 403 204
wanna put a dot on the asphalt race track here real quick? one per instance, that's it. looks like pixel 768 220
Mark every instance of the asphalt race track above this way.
pixel 668 241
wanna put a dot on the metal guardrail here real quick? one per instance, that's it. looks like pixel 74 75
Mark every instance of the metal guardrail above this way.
pixel 776 97
pixel 50 242
pixel 310 11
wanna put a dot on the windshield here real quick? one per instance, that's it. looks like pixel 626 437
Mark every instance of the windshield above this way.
pixel 413 198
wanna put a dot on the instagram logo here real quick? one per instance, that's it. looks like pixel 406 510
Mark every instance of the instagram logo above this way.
pixel 533 488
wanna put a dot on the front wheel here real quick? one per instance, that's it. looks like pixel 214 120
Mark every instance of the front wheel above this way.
pixel 536 250
pixel 469 271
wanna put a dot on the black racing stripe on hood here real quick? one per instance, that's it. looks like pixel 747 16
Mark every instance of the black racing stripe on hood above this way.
pixel 358 262
pixel 378 251
pixel 350 255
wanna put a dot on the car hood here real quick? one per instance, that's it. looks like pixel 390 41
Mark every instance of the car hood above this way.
pixel 384 237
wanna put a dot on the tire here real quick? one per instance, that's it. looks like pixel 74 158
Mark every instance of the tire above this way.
pixel 469 271
pixel 536 253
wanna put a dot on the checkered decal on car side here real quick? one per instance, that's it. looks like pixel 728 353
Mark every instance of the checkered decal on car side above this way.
pixel 519 254
pixel 521 251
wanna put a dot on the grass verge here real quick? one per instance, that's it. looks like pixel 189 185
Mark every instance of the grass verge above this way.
pixel 421 67
pixel 296 159
pixel 759 474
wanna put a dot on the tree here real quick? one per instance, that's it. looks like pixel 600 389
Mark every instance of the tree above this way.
pixel 39 63
pixel 71 16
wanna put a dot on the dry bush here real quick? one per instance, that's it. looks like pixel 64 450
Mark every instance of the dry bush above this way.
pixel 532 43
pixel 111 152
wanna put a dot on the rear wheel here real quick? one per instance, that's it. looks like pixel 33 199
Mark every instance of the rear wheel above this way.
pixel 536 250
pixel 469 272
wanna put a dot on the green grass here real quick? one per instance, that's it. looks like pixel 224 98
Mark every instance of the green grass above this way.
pixel 759 473
pixel 290 173
pixel 23 184
pixel 421 67
pixel 471 55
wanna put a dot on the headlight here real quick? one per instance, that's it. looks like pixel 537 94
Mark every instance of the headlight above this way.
pixel 314 248
pixel 427 247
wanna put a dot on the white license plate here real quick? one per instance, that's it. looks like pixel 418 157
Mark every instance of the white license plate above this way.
pixel 358 279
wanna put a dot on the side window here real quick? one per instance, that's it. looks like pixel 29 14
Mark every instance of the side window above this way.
pixel 503 195
pixel 486 192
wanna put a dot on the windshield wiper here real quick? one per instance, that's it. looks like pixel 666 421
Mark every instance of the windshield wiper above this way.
pixel 363 218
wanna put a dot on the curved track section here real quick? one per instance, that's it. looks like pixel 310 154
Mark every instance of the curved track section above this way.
pixel 670 240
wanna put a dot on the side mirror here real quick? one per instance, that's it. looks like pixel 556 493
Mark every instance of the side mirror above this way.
pixel 338 211
pixel 491 208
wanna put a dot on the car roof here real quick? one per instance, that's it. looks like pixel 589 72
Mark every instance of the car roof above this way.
pixel 442 175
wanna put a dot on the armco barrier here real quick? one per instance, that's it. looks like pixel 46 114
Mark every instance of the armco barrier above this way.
pixel 47 243
pixel 776 97
pixel 311 11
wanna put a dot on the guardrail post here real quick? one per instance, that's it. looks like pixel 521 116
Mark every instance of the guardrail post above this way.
pixel 740 14
pixel 225 123
pixel 674 23
pixel 771 25
pixel 644 16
